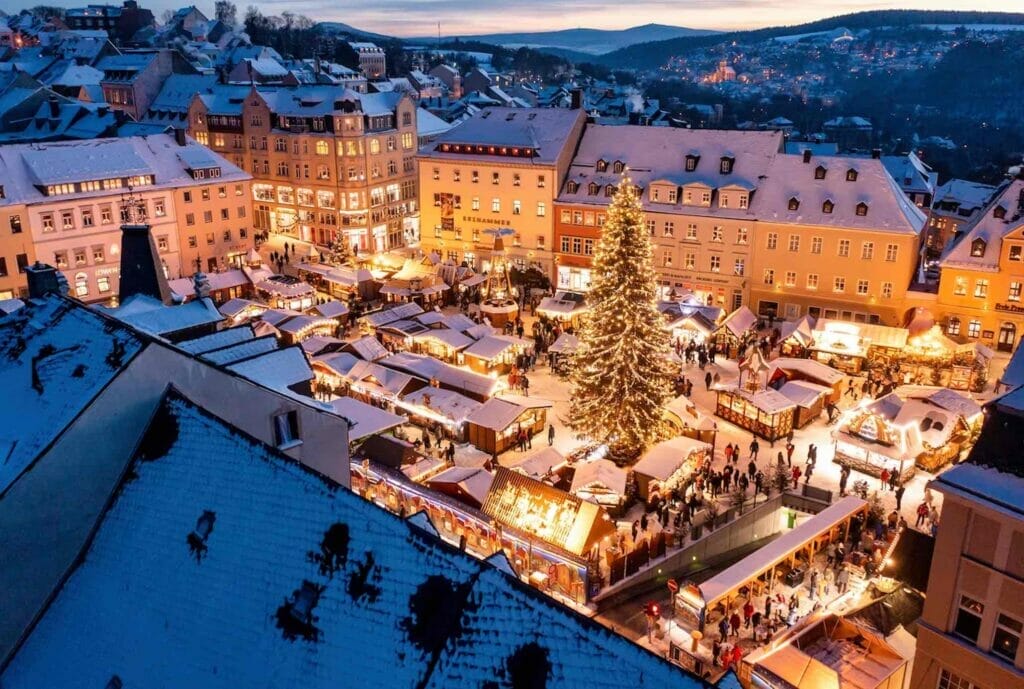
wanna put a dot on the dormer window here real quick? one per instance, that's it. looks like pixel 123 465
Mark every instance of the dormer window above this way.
pixel 851 175
pixel 691 162
pixel 725 165
pixel 978 248
pixel 999 212
pixel 573 187
pixel 609 190
pixel 304 602
pixel 819 172
pixel 618 167
pixel 794 203
pixel 602 165
pixel 862 209
pixel 593 188
pixel 201 534
pixel 828 206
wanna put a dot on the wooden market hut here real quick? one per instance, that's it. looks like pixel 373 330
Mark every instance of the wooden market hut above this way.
pixel 767 413
pixel 809 399
pixel 848 346
pixel 601 482
pixel 493 426
pixel 567 308
pixel 543 464
pixel 793 369
pixel 469 485
pixel 689 421
pixel 497 353
pixel 733 332
pixel 796 337
pixel 441 343
pixel 666 465
pixel 286 292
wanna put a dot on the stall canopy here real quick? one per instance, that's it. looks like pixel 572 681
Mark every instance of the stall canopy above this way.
pixel 803 394
pixel 800 331
pixel 468 484
pixel 428 368
pixel 739 322
pixel 498 413
pixel 332 309
pixel 442 405
pixel 665 458
pixel 493 346
pixel 365 420
pixel 599 473
pixel 568 343
pixel 336 363
pixel 551 515
pixel 805 369
pixel 541 463
pixel 397 313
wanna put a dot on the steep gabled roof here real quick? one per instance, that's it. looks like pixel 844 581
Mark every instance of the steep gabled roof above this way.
pixel 253 571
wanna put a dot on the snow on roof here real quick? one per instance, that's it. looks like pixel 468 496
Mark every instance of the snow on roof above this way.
pixel 496 414
pixel 241 350
pixel 368 348
pixel 1000 487
pixel 540 463
pixel 277 370
pixel 8 306
pixel 768 401
pixel 219 280
pixel 492 346
pixel 944 398
pixel 779 549
pixel 395 313
pixel 476 482
pixel 221 338
pixel 295 324
pixel 253 517
pixel 156 318
pixel 459 322
pixel 911 173
pixel 366 420
pixel 563 303
pixel 332 309
pixel 814 370
pixel 55 358
pixel 1013 375
pixel 233 307
pixel 981 244
pixel 430 125
pixel 967 195
pixel 385 379
pixel 599 472
pixel 451 338
pixel 802 393
pixel 740 321
pixel 449 404
pixel 285 286
pixel 338 362
pixel 24 166
pixel 801 330
pixel 659 154
pixel 546 130
pixel 566 343
pixel 430 368
pixel 662 460
pixel 317 343
pixel 788 177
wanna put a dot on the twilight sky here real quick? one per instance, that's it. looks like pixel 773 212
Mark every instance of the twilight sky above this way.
pixel 420 17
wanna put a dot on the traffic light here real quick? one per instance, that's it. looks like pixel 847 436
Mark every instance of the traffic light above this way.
pixel 652 610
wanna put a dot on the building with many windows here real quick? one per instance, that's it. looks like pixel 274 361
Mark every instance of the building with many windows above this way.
pixel 697 186
pixel 835 238
pixel 63 203
pixel 502 168
pixel 969 636
pixel 327 162
pixel 982 274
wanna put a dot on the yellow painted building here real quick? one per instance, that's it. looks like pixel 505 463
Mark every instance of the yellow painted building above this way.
pixel 982 275
pixel 16 247
pixel 502 168
pixel 834 238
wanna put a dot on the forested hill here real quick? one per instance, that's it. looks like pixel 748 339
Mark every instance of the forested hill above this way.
pixel 654 54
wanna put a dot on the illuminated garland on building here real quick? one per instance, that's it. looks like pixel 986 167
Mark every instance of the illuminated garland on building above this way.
pixel 619 374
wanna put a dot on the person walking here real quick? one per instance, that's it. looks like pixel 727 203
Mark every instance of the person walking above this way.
pixel 734 623
pixel 922 514
pixel 842 580
pixel 789 453
pixel 551 434
pixel 707 380
pixel 754 447
pixel 894 478
pixel 796 477
pixel 728 453
pixel 884 479
pixel 748 613
pixel 751 469
pixel 643 523
pixel 900 489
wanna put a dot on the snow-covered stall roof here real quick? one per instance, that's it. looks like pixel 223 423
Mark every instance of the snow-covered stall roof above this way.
pixel 769 401
pixel 599 472
pixel 430 368
pixel 240 350
pixel 566 343
pixel 814 370
pixel 368 348
pixel 540 463
pixel 332 309
pixel 275 317
pixel 253 517
pixel 232 308
pixel 563 304
pixel 779 549
pixel 185 287
pixel 801 330
pixel 395 313
pixel 156 318
pixel 366 420
pixel 285 286
pixel 740 321
pixel 450 405
pixel 458 321
pixel 473 481
pixel 944 398
pixel 665 458
pixel 339 363
pixel 317 343
pixel 55 358
pixel 221 338
pixel 493 346
pixel 449 338
pixel 498 413
pixel 802 393
pixel 374 377
pixel 295 325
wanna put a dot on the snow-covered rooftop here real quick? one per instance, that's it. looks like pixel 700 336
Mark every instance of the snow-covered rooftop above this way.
pixel 982 242
pixel 278 369
pixel 546 130
pixel 253 571
pixel 663 459
pixel 366 420
pixel 156 318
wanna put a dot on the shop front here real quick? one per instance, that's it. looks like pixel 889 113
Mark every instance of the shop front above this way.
pixel 667 465
pixel 767 414
pixel 495 425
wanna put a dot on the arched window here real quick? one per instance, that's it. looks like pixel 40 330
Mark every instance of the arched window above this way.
pixel 618 167
pixel 794 203
pixel 602 165
pixel 862 208
pixel 978 247
pixel 321 148
pixel 828 206
pixel 593 188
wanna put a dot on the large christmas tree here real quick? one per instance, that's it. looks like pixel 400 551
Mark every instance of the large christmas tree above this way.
pixel 619 375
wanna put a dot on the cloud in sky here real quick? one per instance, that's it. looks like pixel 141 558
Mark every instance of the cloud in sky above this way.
pixel 420 17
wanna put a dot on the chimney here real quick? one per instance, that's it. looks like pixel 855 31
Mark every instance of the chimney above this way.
pixel 577 98
pixel 876 153
pixel 141 267
pixel 54 107
pixel 179 136
pixel 44 279
pixel 807 156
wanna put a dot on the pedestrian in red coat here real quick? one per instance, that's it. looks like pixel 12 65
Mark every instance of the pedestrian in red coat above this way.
pixel 734 622
pixel 748 612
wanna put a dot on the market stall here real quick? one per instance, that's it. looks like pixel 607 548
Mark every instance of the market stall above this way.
pixel 786 369
pixel 848 346
pixel 567 308
pixel 286 292
pixel 441 343
pixel 767 413
pixel 688 320
pixel 667 465
pixel 496 353
pixel 494 425
pixel 931 358
pixel 601 482
pixel 428 406
pixel 796 337
pixel 689 421
pixel 736 331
